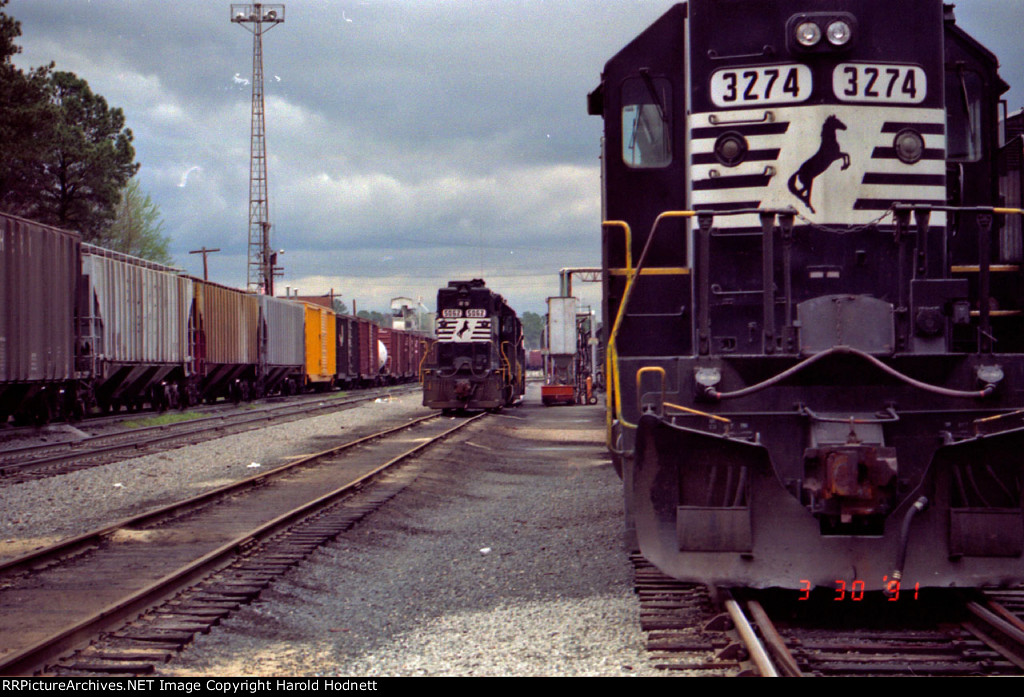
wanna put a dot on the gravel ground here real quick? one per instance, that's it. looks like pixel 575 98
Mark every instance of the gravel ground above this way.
pixel 33 514
pixel 505 563
pixel 503 558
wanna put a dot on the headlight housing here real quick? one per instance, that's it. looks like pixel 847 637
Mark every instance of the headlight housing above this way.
pixel 821 32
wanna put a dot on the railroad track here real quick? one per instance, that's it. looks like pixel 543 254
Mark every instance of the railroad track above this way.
pixel 27 463
pixel 705 631
pixel 687 631
pixel 151 582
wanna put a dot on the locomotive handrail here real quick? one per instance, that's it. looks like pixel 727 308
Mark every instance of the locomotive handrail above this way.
pixel 506 371
pixel 958 209
pixel 612 368
pixel 697 412
pixel 614 403
pixel 631 273
pixel 426 354
pixel 639 382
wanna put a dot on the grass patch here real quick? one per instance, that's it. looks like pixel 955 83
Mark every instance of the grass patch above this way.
pixel 163 419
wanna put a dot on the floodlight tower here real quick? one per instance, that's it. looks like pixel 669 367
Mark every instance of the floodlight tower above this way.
pixel 258 18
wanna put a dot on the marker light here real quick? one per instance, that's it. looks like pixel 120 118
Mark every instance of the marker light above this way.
pixel 731 148
pixel 808 34
pixel 909 146
pixel 838 33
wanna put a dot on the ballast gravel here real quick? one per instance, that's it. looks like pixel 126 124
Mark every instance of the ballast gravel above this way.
pixel 502 558
pixel 37 513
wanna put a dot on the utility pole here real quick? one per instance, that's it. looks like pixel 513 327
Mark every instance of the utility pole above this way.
pixel 205 252
pixel 258 18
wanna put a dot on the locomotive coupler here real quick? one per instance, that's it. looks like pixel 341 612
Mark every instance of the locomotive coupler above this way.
pixel 850 475
pixel 463 389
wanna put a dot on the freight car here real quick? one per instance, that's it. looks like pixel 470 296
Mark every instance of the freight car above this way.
pixel 134 331
pixel 478 360
pixel 84 327
pixel 403 354
pixel 38 276
pixel 814 307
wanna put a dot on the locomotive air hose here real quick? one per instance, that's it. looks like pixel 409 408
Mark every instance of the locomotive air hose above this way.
pixel 934 389
pixel 920 505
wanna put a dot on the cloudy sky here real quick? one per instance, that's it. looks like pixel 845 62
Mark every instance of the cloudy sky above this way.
pixel 409 141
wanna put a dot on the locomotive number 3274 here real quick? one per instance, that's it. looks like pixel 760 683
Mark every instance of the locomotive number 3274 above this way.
pixel 881 83
pixel 770 84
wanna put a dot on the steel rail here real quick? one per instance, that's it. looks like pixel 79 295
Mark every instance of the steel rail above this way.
pixel 775 644
pixel 758 654
pixel 35 657
pixel 148 436
pixel 93 537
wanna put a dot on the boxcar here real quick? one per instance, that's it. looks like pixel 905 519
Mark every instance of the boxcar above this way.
pixel 403 354
pixel 369 351
pixel 321 356
pixel 347 348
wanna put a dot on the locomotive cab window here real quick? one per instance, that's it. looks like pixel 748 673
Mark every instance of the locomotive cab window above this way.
pixel 646 122
pixel 963 115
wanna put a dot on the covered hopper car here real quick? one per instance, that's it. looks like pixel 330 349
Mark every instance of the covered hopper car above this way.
pixel 85 328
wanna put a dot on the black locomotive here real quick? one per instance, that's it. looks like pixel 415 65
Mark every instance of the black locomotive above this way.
pixel 814 297
pixel 478 360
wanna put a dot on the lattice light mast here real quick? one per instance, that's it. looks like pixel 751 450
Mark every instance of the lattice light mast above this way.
pixel 258 18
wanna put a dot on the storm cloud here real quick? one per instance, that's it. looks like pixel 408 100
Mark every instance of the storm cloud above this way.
pixel 409 142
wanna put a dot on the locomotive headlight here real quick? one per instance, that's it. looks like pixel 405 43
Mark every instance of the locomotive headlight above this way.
pixel 808 34
pixel 838 33
pixel 909 146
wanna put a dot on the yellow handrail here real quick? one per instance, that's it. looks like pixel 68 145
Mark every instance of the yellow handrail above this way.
pixel 614 396
pixel 650 369
pixel 612 355
pixel 506 371
pixel 428 347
